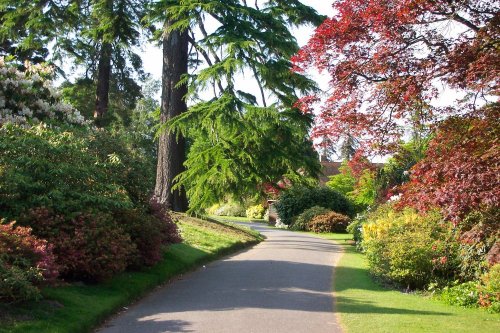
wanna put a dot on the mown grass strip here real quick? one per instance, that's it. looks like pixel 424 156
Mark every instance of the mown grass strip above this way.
pixel 80 308
pixel 365 306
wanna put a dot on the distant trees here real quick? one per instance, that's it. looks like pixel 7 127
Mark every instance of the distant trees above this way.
pixel 97 35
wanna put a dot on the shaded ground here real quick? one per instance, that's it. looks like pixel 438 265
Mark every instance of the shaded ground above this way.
pixel 281 285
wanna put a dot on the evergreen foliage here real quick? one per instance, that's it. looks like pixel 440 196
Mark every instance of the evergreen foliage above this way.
pixel 240 141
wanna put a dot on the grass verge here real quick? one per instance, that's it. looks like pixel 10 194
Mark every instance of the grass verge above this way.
pixel 365 306
pixel 79 308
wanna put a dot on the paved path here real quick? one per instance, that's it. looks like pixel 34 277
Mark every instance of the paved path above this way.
pixel 281 285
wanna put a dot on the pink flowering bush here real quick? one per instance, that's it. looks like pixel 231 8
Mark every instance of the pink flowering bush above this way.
pixel 89 247
pixel 25 263
pixel 30 97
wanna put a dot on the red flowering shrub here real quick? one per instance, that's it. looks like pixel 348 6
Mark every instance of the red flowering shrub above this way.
pixel 169 231
pixel 87 247
pixel 149 234
pixel 460 172
pixel 25 262
pixel 329 222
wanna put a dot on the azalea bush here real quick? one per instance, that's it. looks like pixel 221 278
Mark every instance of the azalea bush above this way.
pixel 255 212
pixel 26 262
pixel 302 220
pixel 29 96
pixel 410 249
pixel 329 222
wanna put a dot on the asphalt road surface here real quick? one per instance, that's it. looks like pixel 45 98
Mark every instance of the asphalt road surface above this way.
pixel 283 284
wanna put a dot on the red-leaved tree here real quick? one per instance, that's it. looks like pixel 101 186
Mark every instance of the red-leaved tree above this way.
pixel 461 171
pixel 385 59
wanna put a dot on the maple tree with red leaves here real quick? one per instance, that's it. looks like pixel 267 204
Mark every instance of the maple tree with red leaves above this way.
pixel 461 172
pixel 385 59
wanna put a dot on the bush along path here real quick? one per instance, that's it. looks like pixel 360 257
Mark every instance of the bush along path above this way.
pixel 280 285
pixel 79 307
pixel 365 306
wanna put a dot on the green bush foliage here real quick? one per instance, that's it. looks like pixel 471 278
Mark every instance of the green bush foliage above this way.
pixel 464 294
pixel 479 231
pixel 408 248
pixel 356 229
pixel 300 222
pixel 329 222
pixel 70 170
pixel 25 263
pixel 255 212
pixel 297 199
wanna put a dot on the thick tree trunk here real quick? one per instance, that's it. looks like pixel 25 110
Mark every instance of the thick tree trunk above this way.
pixel 171 149
pixel 103 76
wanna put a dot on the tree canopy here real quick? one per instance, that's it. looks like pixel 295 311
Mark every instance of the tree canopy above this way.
pixel 386 60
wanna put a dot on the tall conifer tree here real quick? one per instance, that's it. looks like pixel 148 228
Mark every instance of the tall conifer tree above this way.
pixel 238 140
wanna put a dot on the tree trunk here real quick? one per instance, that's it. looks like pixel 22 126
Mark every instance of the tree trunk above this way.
pixel 103 76
pixel 171 148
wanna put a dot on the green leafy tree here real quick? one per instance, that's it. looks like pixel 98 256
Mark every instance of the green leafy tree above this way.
pixel 239 140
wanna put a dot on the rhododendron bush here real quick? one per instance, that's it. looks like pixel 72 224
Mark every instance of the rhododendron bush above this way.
pixel 25 263
pixel 28 96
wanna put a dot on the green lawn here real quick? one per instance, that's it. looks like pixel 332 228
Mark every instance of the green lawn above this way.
pixel 364 306
pixel 79 308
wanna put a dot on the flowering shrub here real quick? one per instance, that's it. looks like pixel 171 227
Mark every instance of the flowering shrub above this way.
pixel 301 222
pixel 25 263
pixel 489 290
pixel 255 212
pixel 87 247
pixel 30 97
pixel 230 208
pixel 408 248
pixel 329 222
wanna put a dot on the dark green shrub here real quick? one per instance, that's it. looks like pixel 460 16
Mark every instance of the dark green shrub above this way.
pixel 329 222
pixel 70 170
pixel 297 199
pixel 300 222
pixel 408 248
pixel 25 263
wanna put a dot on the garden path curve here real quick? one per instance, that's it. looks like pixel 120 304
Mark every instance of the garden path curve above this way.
pixel 283 284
